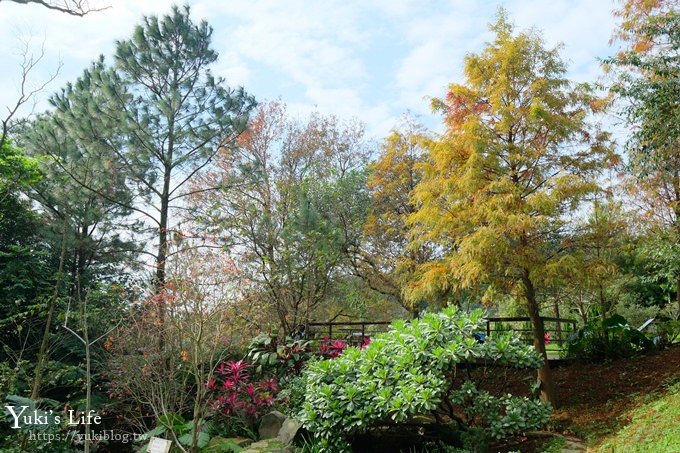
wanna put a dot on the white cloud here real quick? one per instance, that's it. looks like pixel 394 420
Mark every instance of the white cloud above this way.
pixel 373 60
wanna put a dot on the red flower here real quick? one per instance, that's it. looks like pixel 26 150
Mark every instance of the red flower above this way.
pixel 338 344
pixel 238 369
pixel 270 384
pixel 229 384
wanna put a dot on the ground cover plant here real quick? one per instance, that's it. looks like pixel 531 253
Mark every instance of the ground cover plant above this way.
pixel 662 413
pixel 411 371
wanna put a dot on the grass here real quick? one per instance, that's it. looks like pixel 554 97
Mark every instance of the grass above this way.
pixel 556 445
pixel 654 427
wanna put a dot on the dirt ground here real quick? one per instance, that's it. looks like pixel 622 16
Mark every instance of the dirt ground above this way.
pixel 594 398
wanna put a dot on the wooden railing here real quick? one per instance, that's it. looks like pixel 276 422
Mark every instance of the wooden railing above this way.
pixel 558 329
pixel 352 332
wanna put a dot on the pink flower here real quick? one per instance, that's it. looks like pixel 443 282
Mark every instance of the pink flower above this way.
pixel 238 369
pixel 546 337
pixel 270 384
pixel 338 344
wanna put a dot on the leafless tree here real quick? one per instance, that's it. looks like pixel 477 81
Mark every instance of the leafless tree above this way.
pixel 27 91
pixel 73 7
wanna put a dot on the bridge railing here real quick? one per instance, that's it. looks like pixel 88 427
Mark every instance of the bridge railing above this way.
pixel 558 330
pixel 351 332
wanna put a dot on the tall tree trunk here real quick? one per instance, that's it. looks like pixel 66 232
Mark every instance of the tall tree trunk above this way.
pixel 88 367
pixel 42 354
pixel 162 255
pixel 678 291
pixel 547 388
pixel 676 210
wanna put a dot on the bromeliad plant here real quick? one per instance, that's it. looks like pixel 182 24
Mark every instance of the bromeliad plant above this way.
pixel 330 349
pixel 235 394
pixel 412 371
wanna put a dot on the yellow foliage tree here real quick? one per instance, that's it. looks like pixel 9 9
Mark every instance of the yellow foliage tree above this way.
pixel 517 157
pixel 385 260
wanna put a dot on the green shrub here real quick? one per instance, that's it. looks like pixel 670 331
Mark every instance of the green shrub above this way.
pixel 292 394
pixel 612 338
pixel 411 371
pixel 636 314
pixel 283 357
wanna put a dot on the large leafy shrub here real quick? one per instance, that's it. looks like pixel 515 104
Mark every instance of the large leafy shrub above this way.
pixel 414 370
pixel 287 357
pixel 612 338
pixel 283 357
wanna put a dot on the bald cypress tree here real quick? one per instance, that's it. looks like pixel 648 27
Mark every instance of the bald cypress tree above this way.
pixel 517 158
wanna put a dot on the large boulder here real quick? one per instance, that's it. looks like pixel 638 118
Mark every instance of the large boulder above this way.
pixel 271 424
pixel 288 430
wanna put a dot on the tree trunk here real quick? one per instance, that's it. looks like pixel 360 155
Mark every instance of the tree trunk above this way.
pixel 162 256
pixel 678 291
pixel 42 354
pixel 603 302
pixel 88 370
pixel 547 386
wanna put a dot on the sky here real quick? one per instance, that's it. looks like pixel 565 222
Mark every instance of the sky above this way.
pixel 373 60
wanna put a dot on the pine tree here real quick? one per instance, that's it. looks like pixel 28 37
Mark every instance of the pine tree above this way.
pixel 160 116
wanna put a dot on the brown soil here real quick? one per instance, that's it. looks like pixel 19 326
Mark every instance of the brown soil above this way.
pixel 594 398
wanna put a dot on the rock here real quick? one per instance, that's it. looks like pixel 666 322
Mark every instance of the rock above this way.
pixel 288 430
pixel 240 441
pixel 265 446
pixel 271 424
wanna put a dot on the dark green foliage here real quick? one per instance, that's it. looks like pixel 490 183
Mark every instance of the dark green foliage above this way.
pixel 293 393
pixel 24 257
pixel 653 89
pixel 24 272
pixel 610 339
pixel 53 427
pixel 269 355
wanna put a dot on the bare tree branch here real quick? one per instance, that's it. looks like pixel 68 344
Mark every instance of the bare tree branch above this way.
pixel 73 7
pixel 28 64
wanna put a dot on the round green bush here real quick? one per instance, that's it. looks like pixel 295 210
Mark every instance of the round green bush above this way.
pixel 409 371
